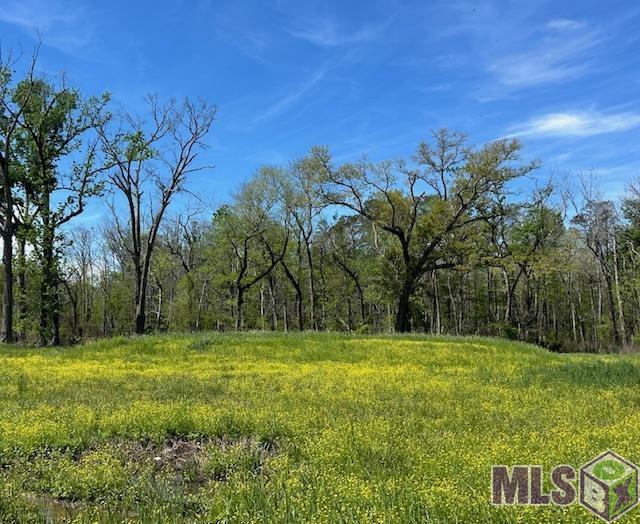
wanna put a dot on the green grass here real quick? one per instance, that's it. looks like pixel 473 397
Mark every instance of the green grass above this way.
pixel 328 428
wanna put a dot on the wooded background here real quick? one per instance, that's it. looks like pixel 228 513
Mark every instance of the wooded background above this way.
pixel 440 242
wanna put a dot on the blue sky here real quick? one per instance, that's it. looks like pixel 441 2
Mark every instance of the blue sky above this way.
pixel 362 77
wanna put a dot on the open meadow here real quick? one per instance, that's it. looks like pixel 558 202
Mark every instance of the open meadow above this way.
pixel 328 428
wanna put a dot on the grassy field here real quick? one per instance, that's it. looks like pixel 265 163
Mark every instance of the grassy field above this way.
pixel 328 428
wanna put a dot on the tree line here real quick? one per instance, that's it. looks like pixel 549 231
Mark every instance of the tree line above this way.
pixel 446 241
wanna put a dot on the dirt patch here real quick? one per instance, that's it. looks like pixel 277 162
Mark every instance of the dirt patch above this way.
pixel 184 455
pixel 186 463
pixel 174 467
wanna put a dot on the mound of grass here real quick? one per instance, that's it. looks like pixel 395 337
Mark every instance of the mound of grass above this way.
pixel 272 427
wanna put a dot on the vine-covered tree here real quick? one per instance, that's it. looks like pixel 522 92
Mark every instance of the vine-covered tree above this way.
pixel 58 148
pixel 13 101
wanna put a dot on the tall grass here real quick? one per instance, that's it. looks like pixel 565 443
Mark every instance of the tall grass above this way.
pixel 327 428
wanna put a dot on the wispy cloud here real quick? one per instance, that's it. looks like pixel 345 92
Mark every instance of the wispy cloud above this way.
pixel 553 61
pixel 515 47
pixel 251 37
pixel 577 124
pixel 326 33
pixel 291 98
pixel 33 14
pixel 328 37
pixel 61 25
pixel 564 24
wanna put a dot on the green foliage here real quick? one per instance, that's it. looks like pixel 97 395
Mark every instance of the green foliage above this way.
pixel 435 243
pixel 58 175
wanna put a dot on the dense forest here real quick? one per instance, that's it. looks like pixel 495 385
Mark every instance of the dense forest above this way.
pixel 454 239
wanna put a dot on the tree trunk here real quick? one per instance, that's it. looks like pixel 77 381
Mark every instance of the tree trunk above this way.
pixel 363 312
pixel 312 287
pixel 262 307
pixel 22 286
pixel 159 310
pixel 200 303
pixel 295 282
pixel 7 254
pixel 75 316
pixel 7 295
pixel 140 319
pixel 616 278
pixel 285 318
pixel 507 296
pixel 595 319
pixel 49 302
pixel 612 311
pixel 454 306
pixel 142 280
pixel 572 305
pixel 239 303
pixel 300 310
pixel 273 303
pixel 403 315
pixel 436 304
pixel 191 299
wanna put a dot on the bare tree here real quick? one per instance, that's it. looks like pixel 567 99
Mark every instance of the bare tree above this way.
pixel 159 155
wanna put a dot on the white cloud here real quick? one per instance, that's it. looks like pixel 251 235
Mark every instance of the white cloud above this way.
pixel 564 24
pixel 555 61
pixel 577 124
